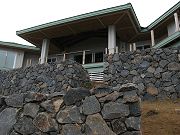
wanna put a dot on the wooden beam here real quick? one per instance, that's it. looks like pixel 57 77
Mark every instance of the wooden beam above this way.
pixel 119 19
pixel 132 22
pixel 99 20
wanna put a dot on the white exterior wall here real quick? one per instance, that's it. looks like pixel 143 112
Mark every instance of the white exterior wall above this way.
pixel 18 58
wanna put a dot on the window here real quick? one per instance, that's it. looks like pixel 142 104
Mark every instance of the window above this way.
pixel 51 60
pixel 88 58
pixel 142 47
pixel 99 57
pixel 78 58
pixel 7 59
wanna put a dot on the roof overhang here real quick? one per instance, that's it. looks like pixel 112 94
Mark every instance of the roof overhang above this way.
pixel 12 45
pixel 122 16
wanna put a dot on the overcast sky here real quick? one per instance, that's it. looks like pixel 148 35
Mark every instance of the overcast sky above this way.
pixel 20 14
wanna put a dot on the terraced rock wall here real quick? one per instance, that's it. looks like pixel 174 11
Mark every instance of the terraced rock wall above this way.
pixel 155 71
pixel 99 111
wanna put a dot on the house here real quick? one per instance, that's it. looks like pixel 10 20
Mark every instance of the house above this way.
pixel 13 55
pixel 86 38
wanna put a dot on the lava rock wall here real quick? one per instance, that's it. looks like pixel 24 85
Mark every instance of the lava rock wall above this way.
pixel 100 111
pixel 155 71
pixel 45 78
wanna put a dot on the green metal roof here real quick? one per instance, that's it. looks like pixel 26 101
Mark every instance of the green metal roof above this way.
pixel 81 17
pixel 19 46
pixel 167 40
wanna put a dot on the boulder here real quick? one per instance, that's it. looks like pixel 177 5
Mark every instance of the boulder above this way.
pixel 75 95
pixel 52 105
pixel 174 66
pixel 35 97
pixel 135 109
pixel 31 109
pixel 128 87
pixel 25 126
pixel 95 125
pixel 118 126
pixel 114 110
pixel 71 129
pixel 7 120
pixel 15 100
pixel 133 123
pixel 102 91
pixel 131 96
pixel 111 97
pixel 91 105
pixel 44 122
pixel 69 115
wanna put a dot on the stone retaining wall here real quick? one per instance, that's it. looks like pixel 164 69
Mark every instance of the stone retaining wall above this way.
pixel 43 78
pixel 99 111
pixel 155 71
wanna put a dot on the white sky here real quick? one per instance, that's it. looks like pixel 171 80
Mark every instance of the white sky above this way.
pixel 20 14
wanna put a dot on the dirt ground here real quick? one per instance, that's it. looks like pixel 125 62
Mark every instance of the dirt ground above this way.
pixel 161 118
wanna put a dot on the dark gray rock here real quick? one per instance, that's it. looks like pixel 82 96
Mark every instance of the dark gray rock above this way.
pixel 91 105
pixel 114 110
pixel 163 63
pixel 124 73
pixel 52 105
pixel 131 96
pixel 45 123
pixel 71 129
pixel 15 100
pixel 102 91
pixel 14 133
pixel 111 97
pixel 135 109
pixel 133 123
pixel 35 97
pixel 24 126
pixel 7 120
pixel 95 125
pixel 69 115
pixel 174 66
pixel 116 57
pixel 31 109
pixel 144 64
pixel 132 133
pixel 128 87
pixel 118 126
pixel 75 95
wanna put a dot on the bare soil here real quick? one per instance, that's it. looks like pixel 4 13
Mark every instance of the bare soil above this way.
pixel 161 118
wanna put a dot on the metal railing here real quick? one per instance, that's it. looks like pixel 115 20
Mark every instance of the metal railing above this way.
pixel 96 76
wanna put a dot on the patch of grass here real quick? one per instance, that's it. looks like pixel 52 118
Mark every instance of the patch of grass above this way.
pixel 161 118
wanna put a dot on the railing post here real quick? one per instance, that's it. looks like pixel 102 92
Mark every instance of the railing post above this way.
pixel 64 57
pixel 130 47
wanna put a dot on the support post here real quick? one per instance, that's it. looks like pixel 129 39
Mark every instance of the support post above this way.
pixel 176 22
pixel 44 50
pixel 130 47
pixel 106 51
pixel 117 49
pixel 84 54
pixel 111 39
pixel 152 38
pixel 134 46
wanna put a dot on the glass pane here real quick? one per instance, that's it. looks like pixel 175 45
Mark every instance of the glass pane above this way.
pixel 99 57
pixel 2 59
pixel 88 58
pixel 10 60
pixel 78 58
